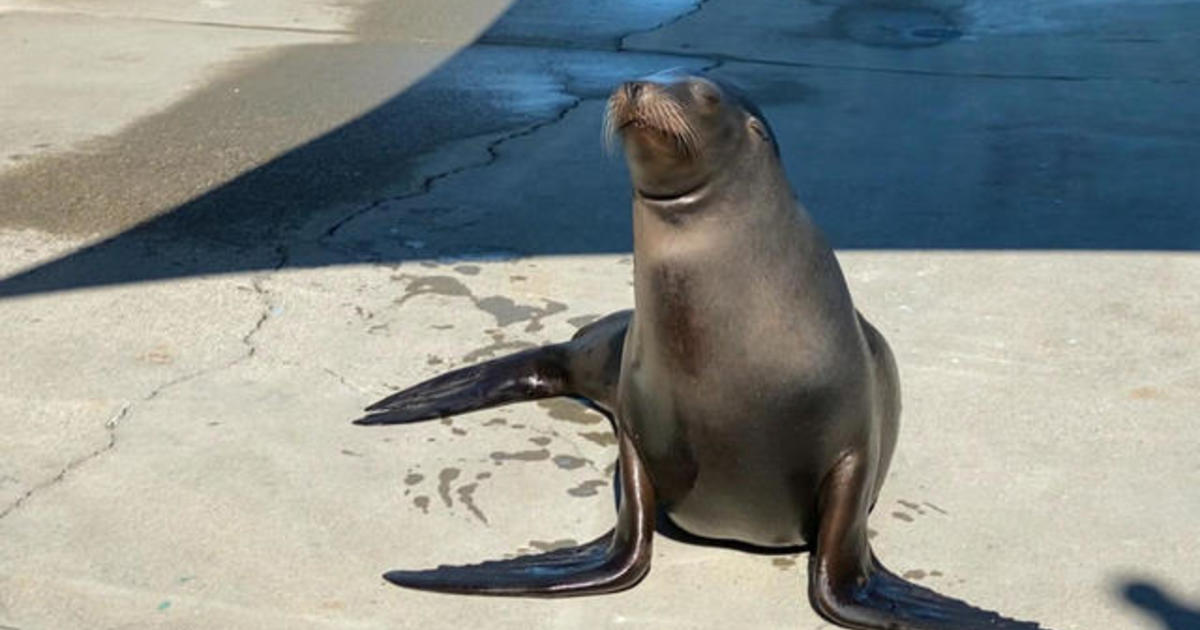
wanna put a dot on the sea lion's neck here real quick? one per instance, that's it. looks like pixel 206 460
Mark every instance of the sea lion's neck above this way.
pixel 748 225
pixel 674 210
pixel 740 263
pixel 748 205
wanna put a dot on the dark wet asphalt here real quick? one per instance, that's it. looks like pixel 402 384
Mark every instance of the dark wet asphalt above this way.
pixel 907 126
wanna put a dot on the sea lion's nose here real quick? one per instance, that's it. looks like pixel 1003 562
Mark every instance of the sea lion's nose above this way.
pixel 633 89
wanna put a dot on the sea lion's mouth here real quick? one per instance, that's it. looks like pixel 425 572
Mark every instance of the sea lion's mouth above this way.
pixel 640 123
pixel 677 137
pixel 643 124
pixel 656 113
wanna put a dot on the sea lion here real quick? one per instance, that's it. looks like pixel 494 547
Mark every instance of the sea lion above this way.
pixel 750 399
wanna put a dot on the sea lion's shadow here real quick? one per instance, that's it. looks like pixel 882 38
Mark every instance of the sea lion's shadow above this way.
pixel 664 526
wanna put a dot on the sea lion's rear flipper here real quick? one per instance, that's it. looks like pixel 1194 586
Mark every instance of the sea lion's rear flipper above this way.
pixel 847 584
pixel 613 562
pixel 586 366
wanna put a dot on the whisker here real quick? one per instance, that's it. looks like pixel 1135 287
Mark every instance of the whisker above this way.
pixel 685 134
pixel 663 114
pixel 606 129
pixel 610 125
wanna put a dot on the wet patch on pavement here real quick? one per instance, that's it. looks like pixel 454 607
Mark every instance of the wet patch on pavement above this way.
pixel 445 477
pixel 587 488
pixel 496 348
pixel 506 310
pixel 466 494
pixel 602 438
pixel 784 563
pixel 920 574
pixel 909 27
pixel 569 410
pixel 580 321
pixel 570 462
pixel 520 456
pixel 897 23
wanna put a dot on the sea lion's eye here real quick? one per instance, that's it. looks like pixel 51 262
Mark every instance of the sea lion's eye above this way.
pixel 706 93
pixel 759 128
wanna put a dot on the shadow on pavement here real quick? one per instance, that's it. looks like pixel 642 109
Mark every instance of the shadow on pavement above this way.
pixel 664 526
pixel 1153 602
pixel 1053 187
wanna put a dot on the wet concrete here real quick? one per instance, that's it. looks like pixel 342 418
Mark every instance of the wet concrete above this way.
pixel 1037 127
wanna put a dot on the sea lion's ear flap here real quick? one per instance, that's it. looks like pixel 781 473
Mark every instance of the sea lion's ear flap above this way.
pixel 759 128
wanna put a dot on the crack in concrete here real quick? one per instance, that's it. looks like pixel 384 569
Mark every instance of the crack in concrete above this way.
pixel 258 325
pixel 492 148
pixel 427 184
pixel 110 425
pixel 730 58
pixel 620 47
pixel 265 296
pixel 342 379
pixel 347 383
pixel 722 58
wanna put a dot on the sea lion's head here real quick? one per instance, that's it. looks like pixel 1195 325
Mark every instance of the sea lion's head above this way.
pixel 681 131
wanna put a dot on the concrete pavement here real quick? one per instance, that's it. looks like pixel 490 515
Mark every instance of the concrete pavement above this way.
pixel 149 106
pixel 176 398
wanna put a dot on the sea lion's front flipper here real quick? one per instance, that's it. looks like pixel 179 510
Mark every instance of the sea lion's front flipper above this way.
pixel 586 366
pixel 613 562
pixel 527 375
pixel 847 584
